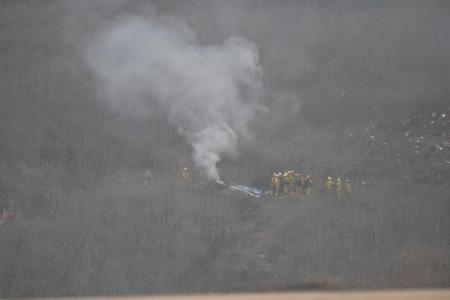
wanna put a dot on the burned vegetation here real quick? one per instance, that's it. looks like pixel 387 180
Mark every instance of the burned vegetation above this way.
pixel 196 146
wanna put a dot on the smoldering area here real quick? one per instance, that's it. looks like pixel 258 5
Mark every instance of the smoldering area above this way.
pixel 351 89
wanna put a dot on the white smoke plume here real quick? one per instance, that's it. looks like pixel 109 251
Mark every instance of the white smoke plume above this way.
pixel 209 93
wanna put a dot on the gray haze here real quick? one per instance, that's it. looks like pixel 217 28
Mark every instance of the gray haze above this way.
pixel 94 93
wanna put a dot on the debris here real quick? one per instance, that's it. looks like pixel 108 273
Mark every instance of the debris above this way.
pixel 254 192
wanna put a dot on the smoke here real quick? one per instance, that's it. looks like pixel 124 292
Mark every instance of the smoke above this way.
pixel 209 93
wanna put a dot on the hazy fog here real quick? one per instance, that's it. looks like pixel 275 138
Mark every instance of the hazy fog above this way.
pixel 93 93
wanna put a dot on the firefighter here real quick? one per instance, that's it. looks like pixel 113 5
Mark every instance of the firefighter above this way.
pixel 307 184
pixel 302 184
pixel 281 180
pixel 291 182
pixel 348 188
pixel 272 183
pixel 185 173
pixel 277 183
pixel 285 183
pixel 330 185
pixel 338 188
pixel 297 183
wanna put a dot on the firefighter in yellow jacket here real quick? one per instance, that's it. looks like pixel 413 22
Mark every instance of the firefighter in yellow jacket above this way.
pixel 338 188
pixel 330 185
pixel 277 183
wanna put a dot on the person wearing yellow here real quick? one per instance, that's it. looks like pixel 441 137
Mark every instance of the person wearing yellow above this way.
pixel 277 183
pixel 338 188
pixel 330 185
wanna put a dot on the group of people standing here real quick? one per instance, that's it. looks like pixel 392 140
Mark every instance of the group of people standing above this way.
pixel 295 183
pixel 339 188
pixel 291 183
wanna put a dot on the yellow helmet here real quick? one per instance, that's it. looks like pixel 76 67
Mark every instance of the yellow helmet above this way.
pixel 285 174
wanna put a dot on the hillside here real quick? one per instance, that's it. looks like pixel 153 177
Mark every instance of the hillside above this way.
pixel 351 89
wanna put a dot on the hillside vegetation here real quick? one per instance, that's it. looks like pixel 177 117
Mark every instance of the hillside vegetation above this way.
pixel 72 169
